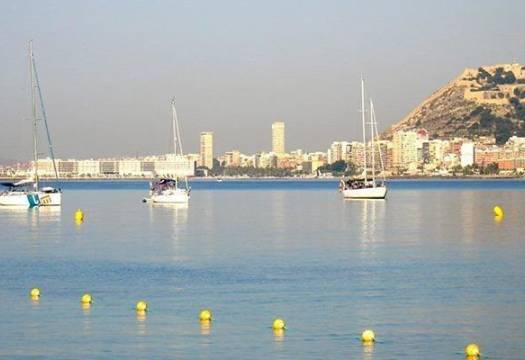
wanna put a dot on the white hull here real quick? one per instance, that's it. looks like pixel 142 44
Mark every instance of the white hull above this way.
pixel 50 199
pixel 178 196
pixel 21 199
pixel 366 193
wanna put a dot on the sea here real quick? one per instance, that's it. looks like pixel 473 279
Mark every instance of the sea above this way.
pixel 429 270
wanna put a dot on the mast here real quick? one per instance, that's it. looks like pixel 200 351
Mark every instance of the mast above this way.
pixel 372 143
pixel 177 139
pixel 363 122
pixel 44 113
pixel 379 150
pixel 33 114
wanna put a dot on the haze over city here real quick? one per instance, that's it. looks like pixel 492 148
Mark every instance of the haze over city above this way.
pixel 108 70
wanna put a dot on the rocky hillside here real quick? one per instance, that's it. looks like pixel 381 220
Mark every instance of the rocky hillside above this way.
pixel 488 101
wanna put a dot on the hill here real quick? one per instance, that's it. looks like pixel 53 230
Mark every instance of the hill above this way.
pixel 487 101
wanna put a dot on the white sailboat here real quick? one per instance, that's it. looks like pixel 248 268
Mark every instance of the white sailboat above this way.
pixel 166 190
pixel 367 187
pixel 27 192
pixel 48 196
pixel 19 194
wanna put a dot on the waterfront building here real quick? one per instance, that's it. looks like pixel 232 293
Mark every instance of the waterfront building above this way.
pixel 265 160
pixel 339 150
pixel 467 154
pixel 45 167
pixel 206 149
pixel 232 158
pixel 109 167
pixel 67 168
pixel 129 167
pixel 317 159
pixel 89 168
pixel 278 145
pixel 172 165
pixel 404 152
pixel 436 150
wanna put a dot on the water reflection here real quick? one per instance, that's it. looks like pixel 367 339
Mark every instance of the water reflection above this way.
pixel 205 327
pixel 141 323
pixel 368 351
pixel 178 212
pixel 372 213
pixel 86 310
pixel 278 335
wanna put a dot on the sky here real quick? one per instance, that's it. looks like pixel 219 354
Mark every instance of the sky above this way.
pixel 108 69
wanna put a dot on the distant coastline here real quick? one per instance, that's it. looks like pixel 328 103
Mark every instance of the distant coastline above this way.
pixel 283 178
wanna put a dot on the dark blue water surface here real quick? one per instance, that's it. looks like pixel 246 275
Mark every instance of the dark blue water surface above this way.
pixel 286 184
pixel 429 270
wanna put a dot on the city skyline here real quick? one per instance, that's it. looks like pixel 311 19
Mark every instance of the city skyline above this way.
pixel 233 67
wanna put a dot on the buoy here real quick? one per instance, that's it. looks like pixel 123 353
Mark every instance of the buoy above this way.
pixel 368 336
pixel 472 350
pixel 498 211
pixel 86 299
pixel 205 315
pixel 279 324
pixel 142 306
pixel 34 293
pixel 79 215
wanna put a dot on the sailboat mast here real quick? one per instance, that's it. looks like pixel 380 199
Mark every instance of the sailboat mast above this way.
pixel 372 143
pixel 33 113
pixel 363 121
pixel 177 140
pixel 379 150
pixel 44 113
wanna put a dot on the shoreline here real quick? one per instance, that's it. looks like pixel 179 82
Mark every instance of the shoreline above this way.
pixel 290 179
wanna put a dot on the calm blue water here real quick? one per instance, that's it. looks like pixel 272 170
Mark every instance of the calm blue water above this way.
pixel 429 270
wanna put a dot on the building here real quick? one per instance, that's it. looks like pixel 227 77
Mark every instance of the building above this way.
pixel 46 167
pixel 232 158
pixel 67 168
pixel 129 167
pixel 174 166
pixel 89 168
pixel 206 153
pixel 467 154
pixel 278 137
pixel 109 167
pixel 405 149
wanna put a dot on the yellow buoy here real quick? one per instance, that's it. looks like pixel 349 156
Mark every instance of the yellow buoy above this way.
pixel 498 211
pixel 205 315
pixel 86 299
pixel 34 293
pixel 279 324
pixel 368 336
pixel 142 306
pixel 472 350
pixel 79 215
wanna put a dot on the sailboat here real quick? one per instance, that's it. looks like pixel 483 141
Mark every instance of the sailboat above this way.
pixel 367 187
pixel 167 190
pixel 27 192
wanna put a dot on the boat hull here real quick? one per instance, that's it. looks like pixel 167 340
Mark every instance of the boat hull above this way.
pixel 366 193
pixel 50 199
pixel 21 199
pixel 171 197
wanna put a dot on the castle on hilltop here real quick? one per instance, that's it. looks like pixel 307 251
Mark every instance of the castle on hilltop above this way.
pixel 493 84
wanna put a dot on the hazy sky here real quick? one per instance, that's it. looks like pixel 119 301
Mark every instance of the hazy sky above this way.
pixel 109 68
